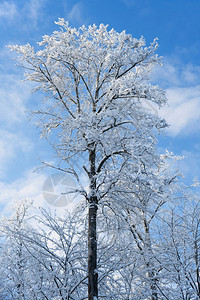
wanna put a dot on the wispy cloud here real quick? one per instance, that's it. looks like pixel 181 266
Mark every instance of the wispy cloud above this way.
pixel 33 9
pixel 183 111
pixel 14 141
pixel 22 12
pixel 27 187
pixel 182 85
pixel 30 186
pixel 129 3
pixel 10 144
pixel 76 14
pixel 13 94
pixel 8 10
pixel 176 74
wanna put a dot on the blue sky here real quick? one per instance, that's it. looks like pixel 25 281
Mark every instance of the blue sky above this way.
pixel 177 25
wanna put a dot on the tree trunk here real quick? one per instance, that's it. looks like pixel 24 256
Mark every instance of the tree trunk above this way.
pixel 92 232
pixel 149 262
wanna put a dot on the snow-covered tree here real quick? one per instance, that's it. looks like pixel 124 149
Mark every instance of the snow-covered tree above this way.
pixel 142 254
pixel 144 196
pixel 43 256
pixel 179 247
pixel 14 259
pixel 97 89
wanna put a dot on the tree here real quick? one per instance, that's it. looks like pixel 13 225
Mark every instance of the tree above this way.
pixel 95 84
pixel 15 261
pixel 42 256
pixel 147 197
pixel 180 248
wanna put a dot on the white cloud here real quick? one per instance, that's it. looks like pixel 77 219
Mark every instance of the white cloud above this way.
pixel 76 14
pixel 181 83
pixel 33 9
pixel 13 94
pixel 10 144
pixel 26 12
pixel 8 10
pixel 176 74
pixel 27 187
pixel 15 142
pixel 183 111
pixel 129 3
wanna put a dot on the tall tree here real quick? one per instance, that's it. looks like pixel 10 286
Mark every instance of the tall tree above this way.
pixel 95 83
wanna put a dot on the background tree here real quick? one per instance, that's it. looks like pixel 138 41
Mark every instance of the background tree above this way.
pixel 15 261
pixel 179 246
pixel 48 253
pixel 145 197
pixel 43 256
pixel 95 83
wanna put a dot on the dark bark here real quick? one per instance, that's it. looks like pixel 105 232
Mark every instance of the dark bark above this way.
pixel 149 262
pixel 153 287
pixel 92 254
pixel 92 232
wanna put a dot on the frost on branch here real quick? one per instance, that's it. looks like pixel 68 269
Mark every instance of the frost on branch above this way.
pixel 94 81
